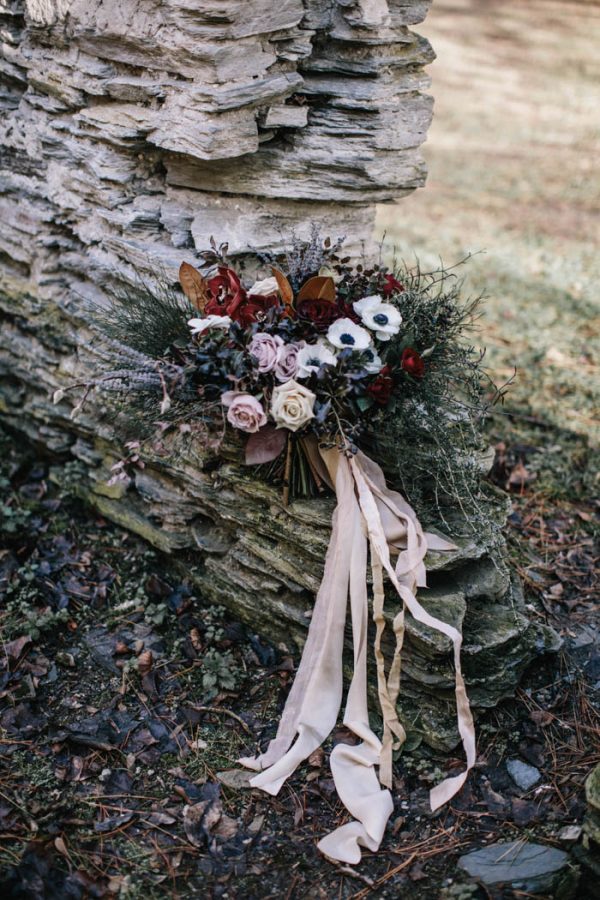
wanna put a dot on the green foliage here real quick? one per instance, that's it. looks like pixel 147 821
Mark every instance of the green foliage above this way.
pixel 218 671
pixel 430 441
pixel 150 319
pixel 14 515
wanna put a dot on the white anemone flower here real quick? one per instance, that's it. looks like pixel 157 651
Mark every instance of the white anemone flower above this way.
pixel 347 335
pixel 371 361
pixel 199 326
pixel 382 318
pixel 311 357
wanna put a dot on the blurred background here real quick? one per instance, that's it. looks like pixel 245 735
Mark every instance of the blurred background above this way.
pixel 514 172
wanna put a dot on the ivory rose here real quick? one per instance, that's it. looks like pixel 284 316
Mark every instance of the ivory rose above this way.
pixel 245 411
pixel 292 405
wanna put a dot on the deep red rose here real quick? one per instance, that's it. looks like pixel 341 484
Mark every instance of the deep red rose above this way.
pixel 381 389
pixel 320 313
pixel 346 311
pixel 391 285
pixel 412 363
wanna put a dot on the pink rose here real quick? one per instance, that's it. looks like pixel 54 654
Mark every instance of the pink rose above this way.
pixel 265 347
pixel 286 366
pixel 245 411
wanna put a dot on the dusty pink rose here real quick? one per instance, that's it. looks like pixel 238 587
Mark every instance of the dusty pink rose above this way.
pixel 265 347
pixel 245 411
pixel 286 366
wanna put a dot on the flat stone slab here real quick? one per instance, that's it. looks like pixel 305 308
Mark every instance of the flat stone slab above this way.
pixel 514 863
pixel 523 775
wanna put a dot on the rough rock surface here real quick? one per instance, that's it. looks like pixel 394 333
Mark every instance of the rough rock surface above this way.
pixel 230 533
pixel 129 133
pixel 531 868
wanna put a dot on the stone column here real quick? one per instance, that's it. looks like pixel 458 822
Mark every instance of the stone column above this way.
pixel 131 131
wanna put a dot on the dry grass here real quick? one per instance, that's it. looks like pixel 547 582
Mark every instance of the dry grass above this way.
pixel 512 157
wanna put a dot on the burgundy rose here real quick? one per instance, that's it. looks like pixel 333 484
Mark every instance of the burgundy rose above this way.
pixel 381 389
pixel 391 285
pixel 320 313
pixel 412 363
pixel 254 308
pixel 346 311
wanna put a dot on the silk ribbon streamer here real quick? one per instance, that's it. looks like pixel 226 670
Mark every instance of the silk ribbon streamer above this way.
pixel 368 515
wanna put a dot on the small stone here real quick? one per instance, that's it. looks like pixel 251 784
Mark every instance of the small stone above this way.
pixel 570 833
pixel 524 866
pixel 524 775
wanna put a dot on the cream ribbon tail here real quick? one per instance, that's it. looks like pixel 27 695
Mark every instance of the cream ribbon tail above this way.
pixel 367 515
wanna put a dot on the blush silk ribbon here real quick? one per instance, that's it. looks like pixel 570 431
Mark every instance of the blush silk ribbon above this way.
pixel 368 516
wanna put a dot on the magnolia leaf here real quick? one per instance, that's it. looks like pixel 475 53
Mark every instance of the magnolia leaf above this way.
pixel 265 445
pixel 318 288
pixel 285 288
pixel 194 286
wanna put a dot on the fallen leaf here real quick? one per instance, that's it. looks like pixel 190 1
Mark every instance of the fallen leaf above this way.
pixel 236 779
pixel 113 822
pixel 226 827
pixel 14 649
pixel 541 717
pixel 316 757
pixel 145 662
pixel 61 847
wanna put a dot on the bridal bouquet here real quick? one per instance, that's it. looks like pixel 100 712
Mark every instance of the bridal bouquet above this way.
pixel 317 366
pixel 308 358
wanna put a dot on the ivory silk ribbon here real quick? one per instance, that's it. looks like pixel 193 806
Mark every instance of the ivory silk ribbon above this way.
pixel 367 515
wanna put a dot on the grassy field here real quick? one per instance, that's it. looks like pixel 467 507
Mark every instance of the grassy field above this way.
pixel 513 175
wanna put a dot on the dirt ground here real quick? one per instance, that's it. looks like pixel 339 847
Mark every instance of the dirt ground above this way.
pixel 124 697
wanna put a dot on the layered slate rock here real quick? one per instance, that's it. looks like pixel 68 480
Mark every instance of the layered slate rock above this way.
pixel 533 869
pixel 131 132
pixel 229 532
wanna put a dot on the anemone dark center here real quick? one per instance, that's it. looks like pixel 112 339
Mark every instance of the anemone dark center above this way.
pixel 380 319
pixel 346 339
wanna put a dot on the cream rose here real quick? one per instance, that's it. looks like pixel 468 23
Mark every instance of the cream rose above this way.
pixel 245 411
pixel 292 405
